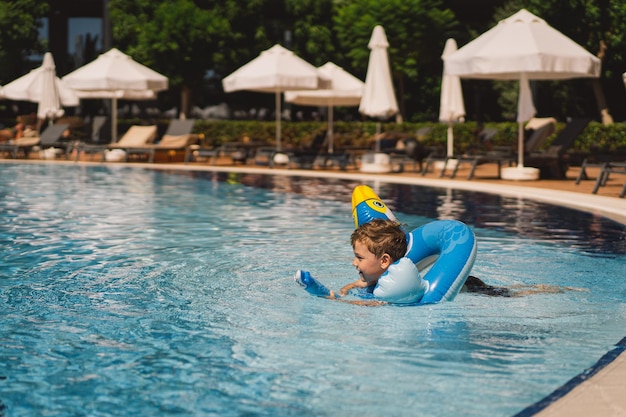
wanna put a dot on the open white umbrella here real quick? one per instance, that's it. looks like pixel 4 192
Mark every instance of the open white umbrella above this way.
pixel 379 98
pixel 340 88
pixel 42 86
pixel 275 70
pixel 451 106
pixel 522 47
pixel 115 75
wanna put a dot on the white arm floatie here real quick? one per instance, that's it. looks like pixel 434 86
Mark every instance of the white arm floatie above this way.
pixel 401 283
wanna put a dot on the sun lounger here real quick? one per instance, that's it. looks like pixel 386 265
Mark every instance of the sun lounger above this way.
pixel 136 136
pixel 501 156
pixel 404 149
pixel 47 139
pixel 607 169
pixel 193 152
pixel 177 138
pixel 552 162
pixel 538 131
pixel 51 144
pixel 21 145
pixel 306 156
pixel 315 155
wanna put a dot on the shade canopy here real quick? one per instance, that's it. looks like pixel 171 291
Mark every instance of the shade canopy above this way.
pixel 275 70
pixel 451 106
pixel 379 99
pixel 115 75
pixel 522 47
pixel 522 43
pixel 339 88
pixel 42 86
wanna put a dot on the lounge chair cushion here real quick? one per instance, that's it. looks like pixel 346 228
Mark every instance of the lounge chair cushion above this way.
pixel 137 136
pixel 26 141
pixel 176 141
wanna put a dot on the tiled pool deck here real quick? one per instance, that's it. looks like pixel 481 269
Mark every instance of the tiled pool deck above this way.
pixel 597 391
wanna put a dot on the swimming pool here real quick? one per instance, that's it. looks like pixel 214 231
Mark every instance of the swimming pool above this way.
pixel 135 292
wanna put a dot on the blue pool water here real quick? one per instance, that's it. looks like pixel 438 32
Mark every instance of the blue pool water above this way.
pixel 129 292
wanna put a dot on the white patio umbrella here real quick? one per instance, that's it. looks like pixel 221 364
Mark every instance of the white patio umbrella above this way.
pixel 451 106
pixel 340 88
pixel 522 47
pixel 275 70
pixel 379 99
pixel 115 75
pixel 42 86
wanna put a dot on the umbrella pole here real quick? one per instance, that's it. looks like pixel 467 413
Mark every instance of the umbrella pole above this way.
pixel 450 139
pixel 114 119
pixel 330 130
pixel 278 133
pixel 378 129
pixel 520 145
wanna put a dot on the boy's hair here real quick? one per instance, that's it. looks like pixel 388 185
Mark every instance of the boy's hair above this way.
pixel 381 236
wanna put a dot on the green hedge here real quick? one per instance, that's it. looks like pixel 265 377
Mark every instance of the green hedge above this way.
pixel 596 137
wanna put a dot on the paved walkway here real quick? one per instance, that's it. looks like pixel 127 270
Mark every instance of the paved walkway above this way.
pixel 598 391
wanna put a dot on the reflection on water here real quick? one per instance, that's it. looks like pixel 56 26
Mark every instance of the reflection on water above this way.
pixel 588 232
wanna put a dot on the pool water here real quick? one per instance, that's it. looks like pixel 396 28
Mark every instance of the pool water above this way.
pixel 131 292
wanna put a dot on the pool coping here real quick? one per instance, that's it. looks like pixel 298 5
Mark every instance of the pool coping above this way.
pixel 610 207
pixel 597 390
pixel 580 395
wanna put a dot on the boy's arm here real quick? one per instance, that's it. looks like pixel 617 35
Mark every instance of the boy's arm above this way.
pixel 346 289
pixel 356 284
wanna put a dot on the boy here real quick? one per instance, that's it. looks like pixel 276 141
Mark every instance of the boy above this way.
pixel 376 245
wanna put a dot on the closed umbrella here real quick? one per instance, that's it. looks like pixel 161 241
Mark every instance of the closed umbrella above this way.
pixel 340 88
pixel 379 99
pixel 451 106
pixel 275 70
pixel 115 75
pixel 522 47
pixel 42 86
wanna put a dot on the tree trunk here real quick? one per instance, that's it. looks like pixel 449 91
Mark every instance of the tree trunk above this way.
pixel 607 119
pixel 185 102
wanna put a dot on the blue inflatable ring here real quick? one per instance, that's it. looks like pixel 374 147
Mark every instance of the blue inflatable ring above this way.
pixel 439 258
pixel 443 250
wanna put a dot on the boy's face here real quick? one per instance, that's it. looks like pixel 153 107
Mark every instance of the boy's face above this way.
pixel 369 266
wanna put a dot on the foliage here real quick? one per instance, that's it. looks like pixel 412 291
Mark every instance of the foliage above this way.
pixel 598 26
pixel 20 22
pixel 596 137
pixel 168 36
pixel 416 30
pixel 312 36
pixel 196 43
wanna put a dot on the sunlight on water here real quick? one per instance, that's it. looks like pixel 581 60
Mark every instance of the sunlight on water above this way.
pixel 130 292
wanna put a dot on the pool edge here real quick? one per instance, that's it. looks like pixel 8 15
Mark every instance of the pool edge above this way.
pixel 574 398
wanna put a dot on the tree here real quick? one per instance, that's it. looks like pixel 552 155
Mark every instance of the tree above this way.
pixel 312 34
pixel 599 27
pixel 19 37
pixel 177 38
pixel 416 30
